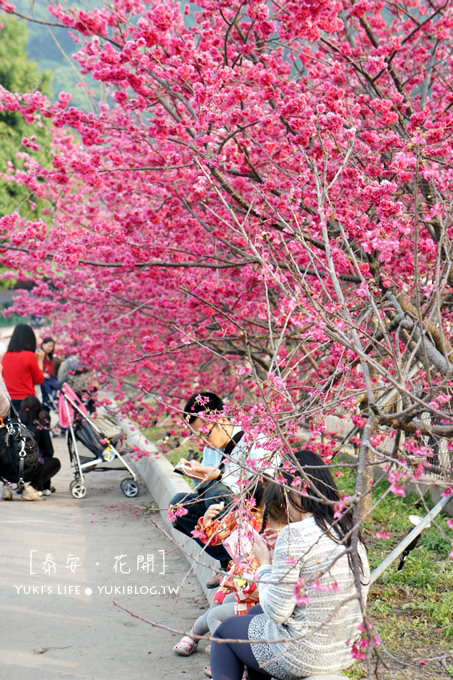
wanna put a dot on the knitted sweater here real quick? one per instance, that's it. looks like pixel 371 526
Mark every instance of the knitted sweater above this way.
pixel 316 633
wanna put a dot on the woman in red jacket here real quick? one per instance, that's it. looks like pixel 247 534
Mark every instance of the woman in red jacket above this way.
pixel 22 365
pixel 50 367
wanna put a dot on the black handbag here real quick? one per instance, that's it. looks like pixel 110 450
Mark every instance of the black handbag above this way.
pixel 19 452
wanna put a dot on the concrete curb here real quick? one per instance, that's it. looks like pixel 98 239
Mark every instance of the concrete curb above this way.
pixel 162 483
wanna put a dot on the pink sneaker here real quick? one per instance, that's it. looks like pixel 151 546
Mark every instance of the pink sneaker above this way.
pixel 186 646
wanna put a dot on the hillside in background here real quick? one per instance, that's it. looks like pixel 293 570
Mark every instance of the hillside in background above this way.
pixel 53 48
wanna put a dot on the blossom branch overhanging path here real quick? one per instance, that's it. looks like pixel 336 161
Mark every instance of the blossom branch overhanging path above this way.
pixel 292 203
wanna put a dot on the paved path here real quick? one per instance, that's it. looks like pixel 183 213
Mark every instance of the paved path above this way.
pixel 63 624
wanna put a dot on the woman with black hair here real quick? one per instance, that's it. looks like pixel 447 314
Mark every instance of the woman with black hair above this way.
pixel 22 365
pixel 50 367
pixel 310 606
pixel 36 421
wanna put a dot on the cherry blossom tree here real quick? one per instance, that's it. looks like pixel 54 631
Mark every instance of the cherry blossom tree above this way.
pixel 262 207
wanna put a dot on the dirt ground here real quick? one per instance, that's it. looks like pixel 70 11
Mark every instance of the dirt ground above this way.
pixel 63 563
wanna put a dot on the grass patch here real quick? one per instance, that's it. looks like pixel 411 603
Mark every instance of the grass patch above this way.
pixel 172 446
pixel 411 609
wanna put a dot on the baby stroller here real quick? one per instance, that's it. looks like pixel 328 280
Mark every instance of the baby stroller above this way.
pixel 101 437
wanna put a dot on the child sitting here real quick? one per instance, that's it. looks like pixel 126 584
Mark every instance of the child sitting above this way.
pixel 237 591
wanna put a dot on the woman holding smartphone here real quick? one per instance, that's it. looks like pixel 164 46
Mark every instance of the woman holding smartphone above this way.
pixel 311 596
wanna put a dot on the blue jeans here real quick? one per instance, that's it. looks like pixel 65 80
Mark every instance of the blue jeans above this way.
pixel 229 658
pixel 49 392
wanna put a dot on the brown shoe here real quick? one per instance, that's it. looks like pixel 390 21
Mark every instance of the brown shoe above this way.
pixel 30 494
pixel 7 493
pixel 215 579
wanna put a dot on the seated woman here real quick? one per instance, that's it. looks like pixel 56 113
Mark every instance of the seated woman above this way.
pixel 310 607
pixel 36 421
pixel 50 367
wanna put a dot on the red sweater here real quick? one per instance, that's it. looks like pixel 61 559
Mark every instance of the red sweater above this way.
pixel 47 366
pixel 21 373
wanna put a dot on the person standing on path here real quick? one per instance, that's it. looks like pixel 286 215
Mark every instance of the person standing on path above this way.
pixel 22 365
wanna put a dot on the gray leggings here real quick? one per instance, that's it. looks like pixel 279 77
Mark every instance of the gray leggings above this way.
pixel 214 616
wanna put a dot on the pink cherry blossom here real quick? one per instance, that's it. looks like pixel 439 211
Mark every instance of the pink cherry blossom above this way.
pixel 259 207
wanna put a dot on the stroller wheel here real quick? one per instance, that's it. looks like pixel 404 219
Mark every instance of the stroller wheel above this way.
pixel 129 487
pixel 77 489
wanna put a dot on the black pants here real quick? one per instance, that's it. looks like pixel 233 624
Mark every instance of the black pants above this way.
pixel 196 504
pixel 16 403
pixel 42 474
pixel 228 659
